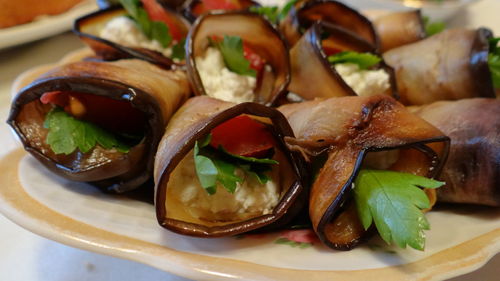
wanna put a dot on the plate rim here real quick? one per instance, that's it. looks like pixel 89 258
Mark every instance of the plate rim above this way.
pixel 18 206
pixel 44 26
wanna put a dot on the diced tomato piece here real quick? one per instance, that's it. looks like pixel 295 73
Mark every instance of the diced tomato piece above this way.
pixel 256 62
pixel 243 136
pixel 157 13
pixel 114 115
pixel 221 5
pixel 56 97
pixel 330 48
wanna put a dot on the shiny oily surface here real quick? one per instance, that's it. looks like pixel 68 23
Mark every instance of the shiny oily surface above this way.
pixel 79 215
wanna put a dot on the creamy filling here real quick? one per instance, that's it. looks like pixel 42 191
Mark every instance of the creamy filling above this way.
pixel 124 31
pixel 249 200
pixel 364 82
pixel 221 83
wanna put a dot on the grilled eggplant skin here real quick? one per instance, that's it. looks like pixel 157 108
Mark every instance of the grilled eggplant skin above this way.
pixel 157 97
pixel 190 6
pixel 450 65
pixel 399 28
pixel 305 13
pixel 194 120
pixel 346 129
pixel 472 172
pixel 254 30
pixel 89 26
pixel 313 76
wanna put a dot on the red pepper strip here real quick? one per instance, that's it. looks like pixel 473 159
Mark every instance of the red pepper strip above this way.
pixel 157 13
pixel 221 5
pixel 256 62
pixel 329 48
pixel 57 97
pixel 243 136
pixel 114 115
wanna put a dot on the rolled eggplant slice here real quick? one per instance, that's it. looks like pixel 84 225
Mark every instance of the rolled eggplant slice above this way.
pixel 348 133
pixel 472 171
pixel 399 28
pixel 173 4
pixel 313 76
pixel 303 14
pixel 185 207
pixel 450 65
pixel 195 8
pixel 112 36
pixel 123 98
pixel 210 76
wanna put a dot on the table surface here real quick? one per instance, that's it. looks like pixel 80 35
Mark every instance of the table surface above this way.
pixel 26 256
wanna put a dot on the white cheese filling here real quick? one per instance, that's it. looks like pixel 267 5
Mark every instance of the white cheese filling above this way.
pixel 124 31
pixel 249 200
pixel 364 82
pixel 220 82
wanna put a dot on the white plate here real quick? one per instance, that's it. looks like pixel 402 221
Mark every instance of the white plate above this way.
pixel 461 240
pixel 44 26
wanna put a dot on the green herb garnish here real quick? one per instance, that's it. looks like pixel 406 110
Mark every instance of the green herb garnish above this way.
pixel 394 202
pixel 432 28
pixel 218 166
pixel 178 51
pixel 363 60
pixel 273 13
pixel 231 48
pixel 269 12
pixel 66 134
pixel 154 30
pixel 494 61
pixel 249 159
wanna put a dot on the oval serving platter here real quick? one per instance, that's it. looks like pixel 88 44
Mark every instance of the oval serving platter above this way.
pixel 78 215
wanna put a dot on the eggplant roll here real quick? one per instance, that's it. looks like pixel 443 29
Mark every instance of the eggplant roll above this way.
pixel 399 28
pixel 172 4
pixel 303 14
pixel 131 100
pixel 195 8
pixel 113 35
pixel 313 76
pixel 349 133
pixel 472 172
pixel 450 65
pixel 268 57
pixel 184 204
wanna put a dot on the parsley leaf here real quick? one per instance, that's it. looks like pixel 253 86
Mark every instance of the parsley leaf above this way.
pixel 286 8
pixel 432 28
pixel 154 30
pixel 273 13
pixel 67 133
pixel 249 159
pixel 231 48
pixel 253 170
pixel 363 60
pixel 494 61
pixel 219 166
pixel 269 12
pixel 178 51
pixel 210 171
pixel 394 202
